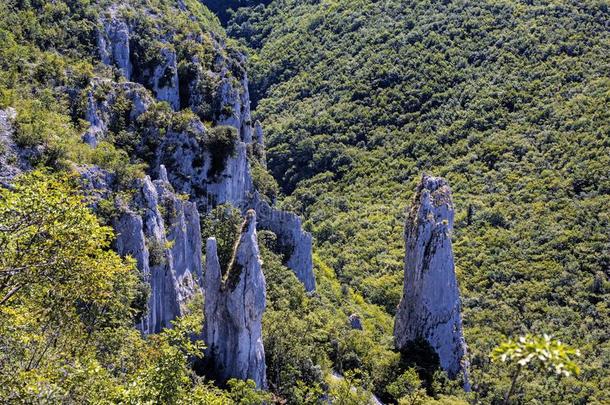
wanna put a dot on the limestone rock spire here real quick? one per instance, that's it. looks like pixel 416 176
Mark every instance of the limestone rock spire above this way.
pixel 234 306
pixel 430 305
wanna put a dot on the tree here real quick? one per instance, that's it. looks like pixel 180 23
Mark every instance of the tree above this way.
pixel 61 288
pixel 540 354
pixel 408 388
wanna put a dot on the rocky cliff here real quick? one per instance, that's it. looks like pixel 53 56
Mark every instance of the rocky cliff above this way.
pixel 165 102
pixel 430 306
pixel 295 244
pixel 161 231
pixel 234 305
pixel 210 163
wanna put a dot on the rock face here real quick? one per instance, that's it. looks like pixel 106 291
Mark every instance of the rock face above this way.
pixel 113 43
pixel 164 237
pixel 160 230
pixel 296 243
pixel 101 112
pixel 13 160
pixel 234 306
pixel 430 306
pixel 164 78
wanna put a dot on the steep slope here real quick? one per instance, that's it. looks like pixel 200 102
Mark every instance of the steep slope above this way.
pixel 507 100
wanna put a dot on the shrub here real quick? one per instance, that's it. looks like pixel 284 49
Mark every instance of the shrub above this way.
pixel 221 142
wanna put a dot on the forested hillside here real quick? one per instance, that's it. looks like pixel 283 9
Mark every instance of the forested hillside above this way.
pixel 93 98
pixel 508 100
pixel 129 137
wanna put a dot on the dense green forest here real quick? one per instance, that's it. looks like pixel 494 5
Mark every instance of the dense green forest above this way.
pixel 508 100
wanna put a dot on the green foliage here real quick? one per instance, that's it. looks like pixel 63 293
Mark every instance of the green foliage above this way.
pixel 222 223
pixel 263 181
pixel 538 352
pixel 348 390
pixel 221 141
pixel 407 388
pixel 41 123
pixel 508 100
pixel 245 393
pixel 165 377
pixel 67 311
pixel 60 287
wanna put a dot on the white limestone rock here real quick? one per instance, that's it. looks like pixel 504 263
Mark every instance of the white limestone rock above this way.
pixel 295 242
pixel 189 162
pixel 100 112
pixel 235 106
pixel 430 306
pixel 234 306
pixel 113 42
pixel 165 79
pixel 162 232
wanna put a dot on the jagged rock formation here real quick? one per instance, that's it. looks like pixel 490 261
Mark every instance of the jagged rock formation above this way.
pixel 102 113
pixel 296 244
pixel 430 306
pixel 234 306
pixel 187 149
pixel 162 233
pixel 209 163
pixel 166 242
pixel 113 43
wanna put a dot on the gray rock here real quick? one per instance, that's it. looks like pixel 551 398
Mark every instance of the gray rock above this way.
pixel 355 321
pixel 430 306
pixel 163 234
pixel 97 184
pixel 113 43
pixel 235 101
pixel 259 144
pixel 13 160
pixel 234 306
pixel 165 79
pixel 296 243
pixel 185 153
pixel 100 112
pixel 189 163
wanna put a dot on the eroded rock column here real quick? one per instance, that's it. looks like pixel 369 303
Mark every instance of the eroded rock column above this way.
pixel 430 306
pixel 234 306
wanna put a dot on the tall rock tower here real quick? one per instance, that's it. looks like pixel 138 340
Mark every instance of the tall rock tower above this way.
pixel 234 306
pixel 430 305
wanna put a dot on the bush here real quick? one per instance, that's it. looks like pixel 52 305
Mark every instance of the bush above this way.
pixel 221 142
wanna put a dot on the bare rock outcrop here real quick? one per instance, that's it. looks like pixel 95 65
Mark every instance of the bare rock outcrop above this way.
pixel 13 160
pixel 295 243
pixel 113 43
pixel 234 306
pixel 162 232
pixel 430 306
pixel 218 92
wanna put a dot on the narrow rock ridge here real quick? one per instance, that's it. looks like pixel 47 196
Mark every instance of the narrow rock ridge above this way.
pixel 296 244
pixel 162 232
pixel 234 306
pixel 430 306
